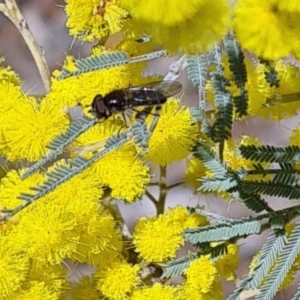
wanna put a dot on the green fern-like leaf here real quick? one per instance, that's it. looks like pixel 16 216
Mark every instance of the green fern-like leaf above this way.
pixel 216 184
pixel 57 145
pixel 283 265
pixel 287 176
pixel 238 68
pixel 253 201
pixel 215 251
pixel 62 174
pixel 222 232
pixel 224 179
pixel 271 75
pixel 221 130
pixel 297 295
pixel 209 159
pixel 196 114
pixel 105 61
pixel 277 221
pixel 177 266
pixel 239 289
pixel 271 188
pixel 290 154
pixel 268 255
pixel 197 70
pixel 241 104
pixel 97 62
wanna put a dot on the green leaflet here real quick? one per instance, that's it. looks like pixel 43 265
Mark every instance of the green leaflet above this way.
pixel 238 68
pixel 105 61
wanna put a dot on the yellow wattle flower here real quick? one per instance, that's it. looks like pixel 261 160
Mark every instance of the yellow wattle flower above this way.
pixel 173 12
pixel 195 170
pixel 11 186
pixel 50 230
pixel 288 5
pixel 82 89
pixel 27 132
pixel 197 25
pixel 201 274
pixel 38 290
pixel 181 215
pixel 228 263
pixel 85 289
pixel 14 267
pixel 174 135
pixel 124 172
pixel 190 292
pixel 94 19
pixel 157 239
pixel 289 81
pixel 157 291
pixel 264 29
pixel 117 280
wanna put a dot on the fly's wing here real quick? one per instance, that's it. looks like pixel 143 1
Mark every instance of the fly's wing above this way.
pixel 154 93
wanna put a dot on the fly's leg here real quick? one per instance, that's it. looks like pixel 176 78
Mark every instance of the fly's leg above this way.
pixel 142 134
pixel 125 119
pixel 142 114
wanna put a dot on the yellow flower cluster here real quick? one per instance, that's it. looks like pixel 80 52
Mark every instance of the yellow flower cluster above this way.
pixel 196 170
pixel 203 275
pixel 89 20
pixel 269 28
pixel 158 239
pixel 196 25
pixel 74 221
pixel 189 22
pixel 75 218
pixel 263 100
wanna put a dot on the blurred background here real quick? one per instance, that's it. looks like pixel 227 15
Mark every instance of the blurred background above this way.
pixel 46 20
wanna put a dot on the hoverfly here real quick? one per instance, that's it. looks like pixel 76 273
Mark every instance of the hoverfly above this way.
pixel 149 95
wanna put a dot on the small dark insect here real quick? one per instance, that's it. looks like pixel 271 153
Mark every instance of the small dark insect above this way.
pixel 149 95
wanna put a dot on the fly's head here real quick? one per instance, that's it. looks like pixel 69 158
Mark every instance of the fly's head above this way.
pixel 99 107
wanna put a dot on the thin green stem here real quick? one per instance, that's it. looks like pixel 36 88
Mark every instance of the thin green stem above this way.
pixel 175 185
pixel 270 171
pixel 151 197
pixel 163 190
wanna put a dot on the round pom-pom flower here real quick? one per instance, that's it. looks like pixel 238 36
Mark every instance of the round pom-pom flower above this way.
pixel 173 13
pixel 197 25
pixel 27 132
pixel 187 220
pixel 117 280
pixel 13 266
pixel 94 19
pixel 157 291
pixel 157 239
pixel 201 274
pixel 174 135
pixel 261 27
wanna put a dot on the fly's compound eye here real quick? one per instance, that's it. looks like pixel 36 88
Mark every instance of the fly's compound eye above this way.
pixel 99 106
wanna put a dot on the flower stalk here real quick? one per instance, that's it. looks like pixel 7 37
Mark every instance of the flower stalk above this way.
pixel 11 10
